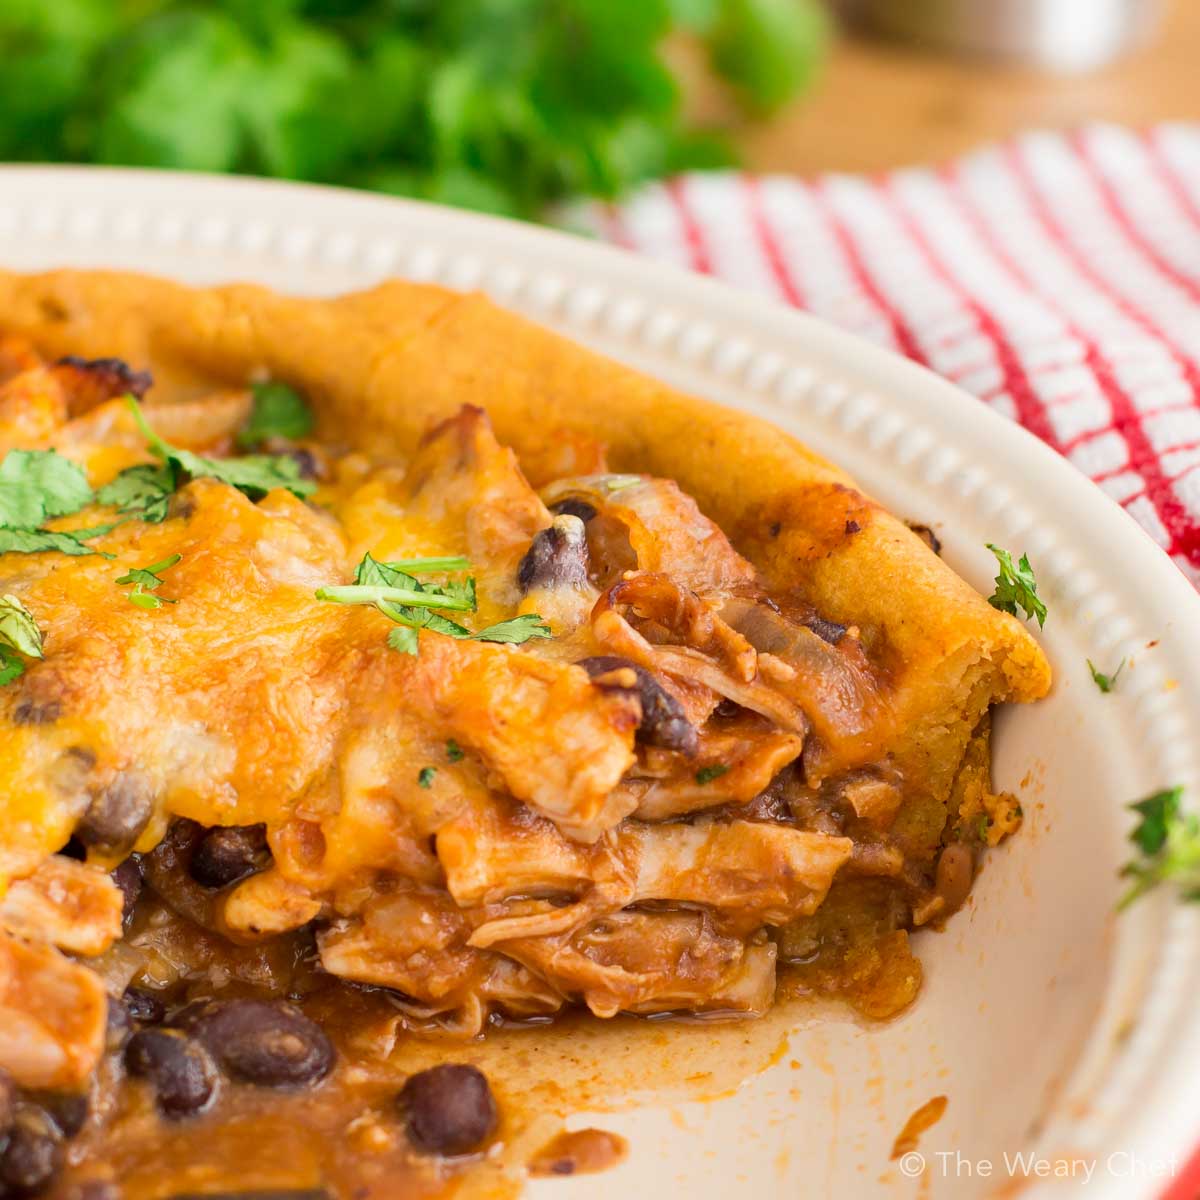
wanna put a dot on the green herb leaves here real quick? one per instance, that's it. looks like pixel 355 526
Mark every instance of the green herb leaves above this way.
pixel 20 638
pixel 146 582
pixel 254 474
pixel 1105 683
pixel 507 105
pixel 1168 842
pixel 141 493
pixel 711 772
pixel 392 587
pixel 278 412
pixel 425 776
pixel 1016 588
pixel 36 485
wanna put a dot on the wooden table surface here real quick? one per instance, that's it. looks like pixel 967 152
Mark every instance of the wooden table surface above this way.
pixel 882 105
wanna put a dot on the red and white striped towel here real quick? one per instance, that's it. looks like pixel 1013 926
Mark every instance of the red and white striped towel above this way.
pixel 1056 276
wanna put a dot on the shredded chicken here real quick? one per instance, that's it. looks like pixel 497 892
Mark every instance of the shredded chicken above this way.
pixel 52 1015
pixel 66 903
pixel 618 816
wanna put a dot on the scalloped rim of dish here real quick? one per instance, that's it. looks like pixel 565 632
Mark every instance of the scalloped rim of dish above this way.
pixel 854 391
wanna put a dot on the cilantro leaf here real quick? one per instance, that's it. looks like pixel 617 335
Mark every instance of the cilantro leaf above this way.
pixel 279 412
pixel 35 541
pixel 1105 683
pixel 515 631
pixel 18 629
pixel 254 474
pixel 38 484
pixel 20 638
pixel 403 639
pixel 1156 813
pixel 1168 841
pixel 382 595
pixel 1016 587
pixel 425 776
pixel 146 581
pixel 414 605
pixel 453 562
pixel 711 772
pixel 12 665
pixel 143 492
pixel 454 752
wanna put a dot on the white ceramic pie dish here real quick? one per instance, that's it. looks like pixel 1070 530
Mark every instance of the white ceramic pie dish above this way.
pixel 1059 1032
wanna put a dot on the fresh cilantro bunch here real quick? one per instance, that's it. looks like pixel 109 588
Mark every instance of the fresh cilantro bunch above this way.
pixel 393 588
pixel 502 105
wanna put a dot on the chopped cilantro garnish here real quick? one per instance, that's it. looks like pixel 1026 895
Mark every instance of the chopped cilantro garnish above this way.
pixel 146 581
pixel 381 597
pixel 38 484
pixel 278 411
pixel 1168 842
pixel 20 638
pixel 34 541
pixel 425 776
pixel 1016 587
pixel 709 773
pixel 253 474
pixel 142 492
pixel 35 486
pixel 403 639
pixel 454 752
pixel 515 631
pixel 414 605
pixel 1105 683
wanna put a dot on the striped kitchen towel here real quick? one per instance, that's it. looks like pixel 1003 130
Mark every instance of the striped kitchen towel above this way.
pixel 1057 277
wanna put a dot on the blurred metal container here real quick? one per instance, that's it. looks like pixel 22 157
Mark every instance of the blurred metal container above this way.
pixel 1069 35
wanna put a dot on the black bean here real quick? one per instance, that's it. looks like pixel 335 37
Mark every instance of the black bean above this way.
pixel 225 855
pixel 663 720
pixel 128 877
pixel 827 631
pixel 118 1027
pixel 557 557
pixel 117 815
pixel 8 1102
pixel 572 506
pixel 68 1110
pixel 181 1071
pixel 266 1042
pixel 33 1156
pixel 449 1108
pixel 144 1006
